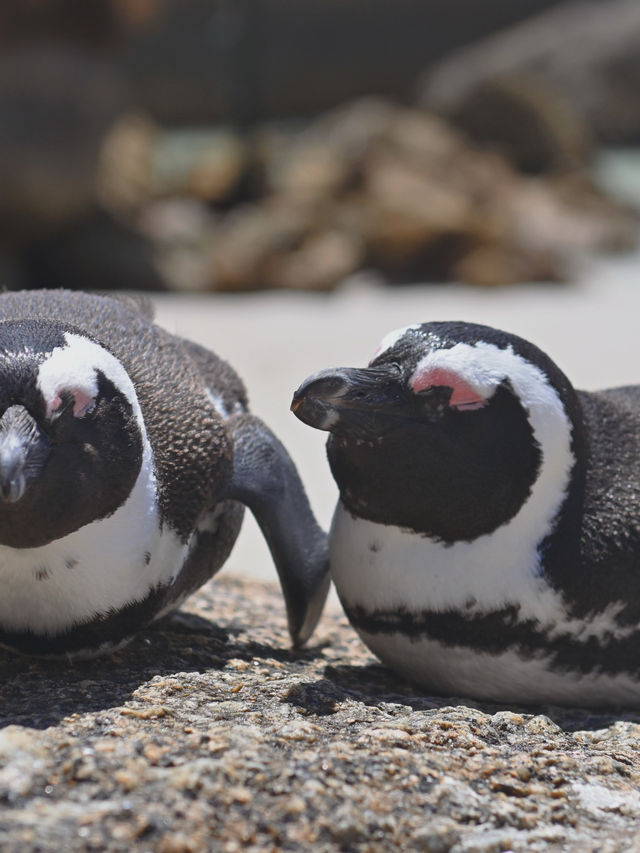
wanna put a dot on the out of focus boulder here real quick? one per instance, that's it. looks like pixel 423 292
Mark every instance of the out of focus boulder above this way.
pixel 73 172
pixel 527 121
pixel 74 159
pixel 94 25
pixel 382 186
pixel 203 163
pixel 124 180
pixel 249 239
pixel 542 88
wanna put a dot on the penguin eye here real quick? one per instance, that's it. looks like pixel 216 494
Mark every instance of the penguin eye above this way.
pixel 433 402
pixel 461 395
pixel 74 400
pixel 65 405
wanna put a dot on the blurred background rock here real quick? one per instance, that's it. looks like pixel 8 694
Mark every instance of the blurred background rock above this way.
pixel 247 144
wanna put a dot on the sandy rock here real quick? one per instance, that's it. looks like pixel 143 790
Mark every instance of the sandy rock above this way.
pixel 320 263
pixel 251 237
pixel 202 163
pixel 181 230
pixel 215 734
pixel 511 72
pixel 124 179
pixel 23 763
pixel 526 120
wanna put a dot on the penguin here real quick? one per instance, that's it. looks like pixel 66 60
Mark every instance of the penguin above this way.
pixel 127 457
pixel 486 540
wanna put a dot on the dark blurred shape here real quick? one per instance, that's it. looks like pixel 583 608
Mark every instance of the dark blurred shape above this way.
pixel 96 252
pixel 89 23
pixel 250 60
pixel 528 121
pixel 56 107
pixel 62 98
pixel 576 65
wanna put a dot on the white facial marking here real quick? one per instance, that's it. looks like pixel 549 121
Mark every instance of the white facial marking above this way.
pixel 483 366
pixel 72 369
pixel 102 566
pixel 219 405
pixel 392 338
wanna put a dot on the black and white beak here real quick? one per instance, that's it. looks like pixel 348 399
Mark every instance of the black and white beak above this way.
pixel 364 403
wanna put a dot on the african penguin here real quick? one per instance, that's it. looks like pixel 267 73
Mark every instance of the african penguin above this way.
pixel 487 537
pixel 126 454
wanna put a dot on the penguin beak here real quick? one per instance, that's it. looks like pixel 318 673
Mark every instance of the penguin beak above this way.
pixel 361 403
pixel 24 449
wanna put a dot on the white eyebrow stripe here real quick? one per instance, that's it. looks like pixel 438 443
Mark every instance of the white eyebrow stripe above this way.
pixel 392 338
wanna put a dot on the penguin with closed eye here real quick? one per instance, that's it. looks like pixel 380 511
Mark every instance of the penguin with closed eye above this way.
pixel 486 541
pixel 127 455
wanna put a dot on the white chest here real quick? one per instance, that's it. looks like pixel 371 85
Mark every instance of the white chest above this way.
pixel 97 569
pixel 382 569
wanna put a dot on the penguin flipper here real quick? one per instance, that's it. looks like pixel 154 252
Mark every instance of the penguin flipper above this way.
pixel 266 480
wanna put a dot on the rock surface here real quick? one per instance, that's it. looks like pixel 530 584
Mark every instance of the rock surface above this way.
pixel 208 732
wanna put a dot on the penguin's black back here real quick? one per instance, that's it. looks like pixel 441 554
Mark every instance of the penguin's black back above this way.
pixel 610 524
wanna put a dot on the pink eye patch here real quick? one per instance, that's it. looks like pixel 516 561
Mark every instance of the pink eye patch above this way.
pixel 82 402
pixel 463 398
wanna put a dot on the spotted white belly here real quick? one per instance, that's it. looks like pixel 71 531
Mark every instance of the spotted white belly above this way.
pixel 382 569
pixel 95 570
pixel 381 566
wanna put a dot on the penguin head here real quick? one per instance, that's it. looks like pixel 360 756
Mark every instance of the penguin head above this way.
pixel 449 430
pixel 71 432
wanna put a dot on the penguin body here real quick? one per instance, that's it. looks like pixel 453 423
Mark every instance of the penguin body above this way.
pixel 126 455
pixel 487 537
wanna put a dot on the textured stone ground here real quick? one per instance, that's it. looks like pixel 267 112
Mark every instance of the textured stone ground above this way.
pixel 209 733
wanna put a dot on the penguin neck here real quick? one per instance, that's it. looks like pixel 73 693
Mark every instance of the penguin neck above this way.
pixel 503 567
pixel 95 570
